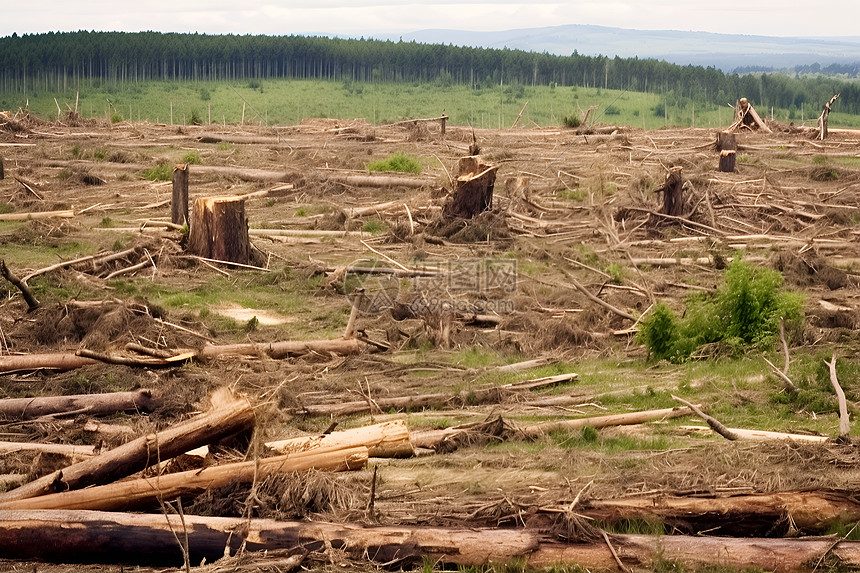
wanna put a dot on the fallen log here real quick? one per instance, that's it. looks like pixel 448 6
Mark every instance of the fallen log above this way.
pixel 142 400
pixel 738 515
pixel 421 401
pixel 597 422
pixel 70 450
pixel 341 346
pixel 760 435
pixel 32 303
pixel 385 440
pixel 143 492
pixel 228 416
pixel 48 361
pixel 64 214
pixel 104 537
pixel 382 181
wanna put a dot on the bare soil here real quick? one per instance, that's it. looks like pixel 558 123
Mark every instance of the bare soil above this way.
pixel 564 202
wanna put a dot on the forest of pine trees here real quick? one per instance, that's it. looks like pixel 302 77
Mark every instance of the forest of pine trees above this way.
pixel 59 62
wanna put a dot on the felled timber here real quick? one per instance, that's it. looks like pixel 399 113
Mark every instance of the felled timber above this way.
pixel 65 214
pixel 142 400
pixel 341 346
pixel 597 422
pixel 382 181
pixel 229 415
pixel 145 492
pixel 96 536
pixel 761 435
pixel 70 450
pixel 48 361
pixel 385 440
pixel 739 515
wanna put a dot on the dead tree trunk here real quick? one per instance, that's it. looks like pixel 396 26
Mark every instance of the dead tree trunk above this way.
pixel 385 440
pixel 219 230
pixel 673 194
pixel 473 189
pixel 822 119
pixel 2 173
pixel 96 536
pixel 228 417
pixel 179 202
pixel 727 146
pixel 32 303
pixel 90 404
pixel 49 361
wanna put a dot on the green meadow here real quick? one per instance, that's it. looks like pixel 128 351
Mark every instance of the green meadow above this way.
pixel 288 102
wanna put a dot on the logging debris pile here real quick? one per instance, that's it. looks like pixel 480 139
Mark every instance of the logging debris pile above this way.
pixel 435 415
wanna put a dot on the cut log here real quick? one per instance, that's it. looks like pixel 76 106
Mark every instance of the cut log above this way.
pixel 32 303
pixel 739 515
pixel 543 428
pixel 760 435
pixel 219 229
pixel 142 400
pixel 104 537
pixel 382 181
pixel 385 440
pixel 473 189
pixel 179 200
pixel 228 416
pixel 49 361
pixel 145 492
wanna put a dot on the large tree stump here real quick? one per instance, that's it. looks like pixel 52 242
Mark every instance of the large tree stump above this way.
pixel 473 189
pixel 728 148
pixel 673 194
pixel 219 229
pixel 179 203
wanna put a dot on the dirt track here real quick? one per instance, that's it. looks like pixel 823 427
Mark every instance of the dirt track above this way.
pixel 565 203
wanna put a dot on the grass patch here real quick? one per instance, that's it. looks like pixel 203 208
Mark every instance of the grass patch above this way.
pixel 190 158
pixel 161 172
pixel 399 162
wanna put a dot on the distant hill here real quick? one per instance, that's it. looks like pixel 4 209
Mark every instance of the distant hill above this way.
pixel 724 51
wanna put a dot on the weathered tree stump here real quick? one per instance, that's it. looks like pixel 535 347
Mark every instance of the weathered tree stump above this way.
pixel 673 194
pixel 219 229
pixel 727 146
pixel 473 189
pixel 2 174
pixel 179 203
pixel 822 121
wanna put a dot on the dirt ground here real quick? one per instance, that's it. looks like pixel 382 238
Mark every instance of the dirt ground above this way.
pixel 566 205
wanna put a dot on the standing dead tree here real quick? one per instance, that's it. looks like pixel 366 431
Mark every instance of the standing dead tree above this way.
pixel 822 119
pixel 746 116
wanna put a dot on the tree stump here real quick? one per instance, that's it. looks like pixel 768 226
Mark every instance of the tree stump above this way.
pixel 2 174
pixel 727 146
pixel 822 121
pixel 179 203
pixel 219 229
pixel 473 189
pixel 673 193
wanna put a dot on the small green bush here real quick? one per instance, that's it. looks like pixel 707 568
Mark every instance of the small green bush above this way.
pixel 191 158
pixel 612 110
pixel 161 172
pixel 398 162
pixel 743 313
pixel 571 121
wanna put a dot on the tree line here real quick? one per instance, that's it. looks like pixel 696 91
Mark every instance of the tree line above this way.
pixel 63 61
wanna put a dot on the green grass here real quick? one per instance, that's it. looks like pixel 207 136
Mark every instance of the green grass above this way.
pixel 161 172
pixel 399 162
pixel 288 102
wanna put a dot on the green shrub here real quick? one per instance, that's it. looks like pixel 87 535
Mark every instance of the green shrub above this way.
pixel 397 162
pixel 195 118
pixel 191 158
pixel 612 110
pixel 744 312
pixel 161 172
pixel 571 121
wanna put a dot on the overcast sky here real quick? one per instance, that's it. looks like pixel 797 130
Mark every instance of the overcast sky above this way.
pixel 368 17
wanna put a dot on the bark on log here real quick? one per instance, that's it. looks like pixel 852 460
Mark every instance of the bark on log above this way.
pixel 385 440
pixel 473 189
pixel 229 416
pixel 96 536
pixel 537 430
pixel 219 229
pixel 727 146
pixel 32 303
pixel 145 492
pixel 382 181
pixel 179 199
pixel 142 400
pixel 740 515
pixel 760 435
pixel 70 450
pixel 51 361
